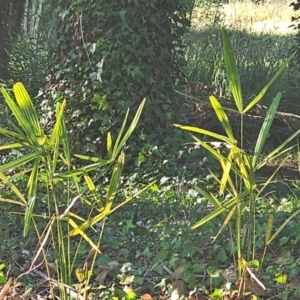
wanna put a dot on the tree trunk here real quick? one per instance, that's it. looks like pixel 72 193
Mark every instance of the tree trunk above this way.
pixel 31 19
pixel 11 13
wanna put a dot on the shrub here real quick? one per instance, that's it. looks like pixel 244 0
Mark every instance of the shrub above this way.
pixel 28 64
pixel 51 178
pixel 239 166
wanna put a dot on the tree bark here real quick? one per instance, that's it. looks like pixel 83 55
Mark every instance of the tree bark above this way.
pixel 31 19
pixel 11 13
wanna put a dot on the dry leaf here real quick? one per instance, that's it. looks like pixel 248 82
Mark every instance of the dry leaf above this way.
pixel 230 274
pixel 180 286
pixel 280 261
pixel 109 266
pixel 6 288
pixel 293 283
pixel 146 297
pixel 52 269
pixel 101 277
pixel 253 277
pixel 183 188
pixel 248 285
pixel 177 273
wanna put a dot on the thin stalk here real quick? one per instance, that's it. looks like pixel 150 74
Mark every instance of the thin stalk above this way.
pixel 57 236
pixel 254 224
pixel 69 264
pixel 49 188
pixel 240 184
pixel 72 265
pixel 251 227
pixel 238 234
pixel 232 244
pixel 43 253
pixel 94 259
pixel 62 259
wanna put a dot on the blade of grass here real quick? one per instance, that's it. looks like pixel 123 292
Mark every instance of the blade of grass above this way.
pixel 232 72
pixel 225 205
pixel 222 117
pixel 120 143
pixel 32 185
pixel 265 129
pixel 7 182
pixel 18 163
pixel 272 154
pixel 282 226
pixel 114 182
pixel 101 216
pixel 269 84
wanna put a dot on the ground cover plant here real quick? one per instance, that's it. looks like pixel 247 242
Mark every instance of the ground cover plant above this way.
pixel 247 244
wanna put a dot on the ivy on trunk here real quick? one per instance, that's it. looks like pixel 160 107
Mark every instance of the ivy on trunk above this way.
pixel 109 55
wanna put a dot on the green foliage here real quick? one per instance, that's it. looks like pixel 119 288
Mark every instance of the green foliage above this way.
pixel 207 3
pixel 2 275
pixel 254 66
pixel 240 166
pixel 28 64
pixel 109 55
pixel 48 167
pixel 296 24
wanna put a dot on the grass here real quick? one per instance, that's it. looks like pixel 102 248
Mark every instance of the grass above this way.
pixel 246 16
pixel 261 40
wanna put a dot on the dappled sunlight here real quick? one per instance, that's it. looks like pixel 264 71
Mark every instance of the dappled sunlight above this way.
pixel 269 18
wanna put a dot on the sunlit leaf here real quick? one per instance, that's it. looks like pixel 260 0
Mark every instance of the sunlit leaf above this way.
pixel 11 201
pixel 16 137
pixel 88 223
pixel 85 236
pixel 79 171
pixel 92 189
pixel 114 182
pixel 278 150
pixel 232 72
pixel 7 182
pixel 280 278
pixel 25 114
pixel 82 274
pixel 269 228
pixel 264 132
pixel 57 130
pixel 109 146
pixel 225 205
pixel 18 162
pixel 32 185
pixel 206 132
pixel 282 226
pixel 120 142
pixel 222 117
pixel 210 197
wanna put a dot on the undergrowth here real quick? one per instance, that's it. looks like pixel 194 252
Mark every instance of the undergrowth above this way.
pixel 148 246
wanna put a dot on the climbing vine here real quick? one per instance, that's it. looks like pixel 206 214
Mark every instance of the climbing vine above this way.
pixel 107 56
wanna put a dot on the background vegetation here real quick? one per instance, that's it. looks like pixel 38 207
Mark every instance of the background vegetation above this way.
pixel 73 209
